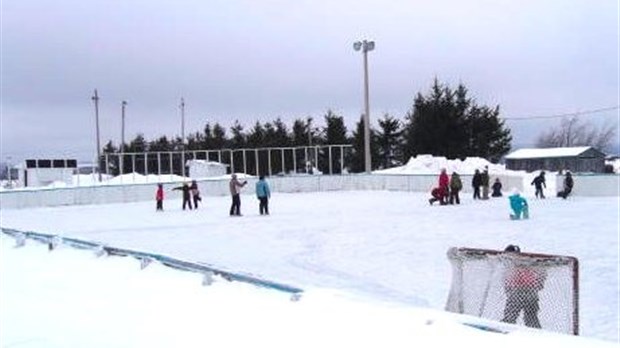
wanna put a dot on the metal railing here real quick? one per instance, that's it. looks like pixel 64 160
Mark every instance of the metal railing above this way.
pixel 328 159
pixel 53 241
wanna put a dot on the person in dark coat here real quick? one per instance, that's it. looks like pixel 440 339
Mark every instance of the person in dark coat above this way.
pixel 195 192
pixel 539 184
pixel 159 197
pixel 455 187
pixel 476 181
pixel 568 185
pixel 497 188
pixel 186 195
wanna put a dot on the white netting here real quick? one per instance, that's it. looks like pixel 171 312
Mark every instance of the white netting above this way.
pixel 527 289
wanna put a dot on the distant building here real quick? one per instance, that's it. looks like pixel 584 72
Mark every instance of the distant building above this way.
pixel 43 172
pixel 575 159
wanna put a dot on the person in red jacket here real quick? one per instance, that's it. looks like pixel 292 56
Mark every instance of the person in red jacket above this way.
pixel 522 285
pixel 159 197
pixel 437 195
pixel 444 185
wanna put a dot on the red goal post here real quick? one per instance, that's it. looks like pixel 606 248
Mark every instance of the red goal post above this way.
pixel 483 285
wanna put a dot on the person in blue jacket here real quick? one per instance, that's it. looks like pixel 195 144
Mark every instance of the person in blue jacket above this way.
pixel 518 205
pixel 263 194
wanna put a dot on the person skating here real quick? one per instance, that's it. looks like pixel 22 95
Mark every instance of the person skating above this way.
pixel 484 182
pixel 497 188
pixel 522 283
pixel 159 198
pixel 568 185
pixel 444 185
pixel 455 187
pixel 263 194
pixel 186 195
pixel 476 181
pixel 539 184
pixel 519 206
pixel 438 194
pixel 195 192
pixel 235 187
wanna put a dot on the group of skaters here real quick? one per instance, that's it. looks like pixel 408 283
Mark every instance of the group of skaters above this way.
pixel 447 191
pixel 191 195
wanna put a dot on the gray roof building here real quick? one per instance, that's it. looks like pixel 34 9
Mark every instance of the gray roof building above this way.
pixel 575 159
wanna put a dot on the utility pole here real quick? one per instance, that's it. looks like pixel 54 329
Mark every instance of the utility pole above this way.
pixel 95 98
pixel 182 106
pixel 123 105
pixel 121 159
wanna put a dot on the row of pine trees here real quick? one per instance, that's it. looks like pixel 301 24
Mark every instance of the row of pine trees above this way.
pixel 443 122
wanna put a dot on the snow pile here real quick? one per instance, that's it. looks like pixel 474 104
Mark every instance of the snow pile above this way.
pixel 429 164
pixel 110 302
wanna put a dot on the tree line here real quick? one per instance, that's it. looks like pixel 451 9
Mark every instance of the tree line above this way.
pixel 443 122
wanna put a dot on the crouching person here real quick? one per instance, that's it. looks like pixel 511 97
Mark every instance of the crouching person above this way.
pixel 439 194
pixel 518 205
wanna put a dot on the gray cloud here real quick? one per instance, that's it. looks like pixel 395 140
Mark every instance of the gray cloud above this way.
pixel 258 61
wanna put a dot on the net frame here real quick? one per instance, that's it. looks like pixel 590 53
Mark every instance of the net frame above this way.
pixel 458 257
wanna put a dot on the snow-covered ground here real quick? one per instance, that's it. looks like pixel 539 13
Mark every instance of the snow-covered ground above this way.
pixel 373 265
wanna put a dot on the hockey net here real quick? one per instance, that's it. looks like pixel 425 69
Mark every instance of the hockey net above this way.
pixel 535 290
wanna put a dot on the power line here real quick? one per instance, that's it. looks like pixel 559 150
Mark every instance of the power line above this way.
pixel 578 113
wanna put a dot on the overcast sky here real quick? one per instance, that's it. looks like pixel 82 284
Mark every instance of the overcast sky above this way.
pixel 259 60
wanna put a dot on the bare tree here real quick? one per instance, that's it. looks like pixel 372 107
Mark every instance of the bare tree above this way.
pixel 573 132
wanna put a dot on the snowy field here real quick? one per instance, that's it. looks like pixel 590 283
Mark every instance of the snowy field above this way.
pixel 385 246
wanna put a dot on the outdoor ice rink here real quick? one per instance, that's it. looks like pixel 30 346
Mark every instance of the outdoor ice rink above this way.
pixel 387 245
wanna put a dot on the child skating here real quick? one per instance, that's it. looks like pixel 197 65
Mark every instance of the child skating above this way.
pixel 519 206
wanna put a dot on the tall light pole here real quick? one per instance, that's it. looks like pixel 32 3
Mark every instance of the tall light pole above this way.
pixel 123 105
pixel 182 106
pixel 366 46
pixel 95 98
pixel 121 149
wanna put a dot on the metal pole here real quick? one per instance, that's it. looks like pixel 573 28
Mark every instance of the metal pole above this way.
pixel 122 147
pixel 366 46
pixel 95 98
pixel 367 159
pixel 182 137
pixel 123 104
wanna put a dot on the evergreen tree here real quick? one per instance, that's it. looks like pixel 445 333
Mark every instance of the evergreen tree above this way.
pixel 256 136
pixel 195 141
pixel 389 142
pixel 335 130
pixel 112 164
pixel 303 136
pixel 335 133
pixel 356 159
pixel 163 146
pixel 489 138
pixel 219 137
pixel 449 123
pixel 300 134
pixel 238 140
pixel 138 144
